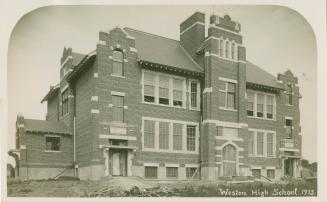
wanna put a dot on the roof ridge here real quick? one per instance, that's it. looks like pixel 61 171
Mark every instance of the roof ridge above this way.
pixel 147 33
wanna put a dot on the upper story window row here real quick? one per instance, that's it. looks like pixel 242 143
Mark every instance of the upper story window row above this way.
pixel 227 49
pixel 261 105
pixel 169 90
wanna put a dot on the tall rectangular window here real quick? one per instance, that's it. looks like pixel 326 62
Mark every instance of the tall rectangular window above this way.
pixel 233 51
pixel 64 101
pixel 190 138
pixel 163 135
pixel 270 144
pixel 52 143
pixel 271 173
pixel 149 134
pixel 289 94
pixel 177 92
pixel 227 95
pixel 149 87
pixel 177 136
pixel 260 143
pixel 163 90
pixel 289 126
pixel 250 104
pixel 227 49
pixel 260 102
pixel 221 44
pixel 270 106
pixel 194 94
pixel 251 143
pixel 118 58
pixel 118 108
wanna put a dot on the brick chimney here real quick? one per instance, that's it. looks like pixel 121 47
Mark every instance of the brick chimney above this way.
pixel 192 32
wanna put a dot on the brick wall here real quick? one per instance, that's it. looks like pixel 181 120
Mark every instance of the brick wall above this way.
pixel 52 109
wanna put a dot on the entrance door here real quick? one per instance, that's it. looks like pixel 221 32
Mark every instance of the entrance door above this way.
pixel 288 163
pixel 229 160
pixel 118 162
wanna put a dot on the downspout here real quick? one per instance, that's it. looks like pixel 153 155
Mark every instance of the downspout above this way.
pixel 74 147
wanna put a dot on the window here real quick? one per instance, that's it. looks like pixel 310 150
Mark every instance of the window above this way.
pixel 233 51
pixel 149 134
pixel 227 95
pixel 251 143
pixel 271 173
pixel 151 172
pixel 270 107
pixel 289 94
pixel 118 108
pixel 261 105
pixel 164 90
pixel 256 173
pixel 289 126
pixel 190 140
pixel 177 136
pixel 178 92
pixel 163 135
pixel 194 94
pixel 227 49
pixel 221 44
pixel 260 102
pixel 118 58
pixel 52 143
pixel 149 86
pixel 64 101
pixel 191 173
pixel 260 143
pixel 172 172
pixel 270 144
pixel 250 104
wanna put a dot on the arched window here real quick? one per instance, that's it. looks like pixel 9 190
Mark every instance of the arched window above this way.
pixel 118 59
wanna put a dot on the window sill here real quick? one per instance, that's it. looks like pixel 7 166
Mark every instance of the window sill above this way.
pixel 162 105
pixel 260 156
pixel 228 109
pixel 194 109
pixel 123 77
pixel 170 151
pixel 261 118
pixel 50 151
pixel 289 105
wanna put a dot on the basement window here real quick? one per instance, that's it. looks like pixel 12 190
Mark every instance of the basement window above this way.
pixel 52 143
pixel 151 172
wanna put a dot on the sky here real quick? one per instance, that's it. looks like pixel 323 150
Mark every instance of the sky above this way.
pixel 276 39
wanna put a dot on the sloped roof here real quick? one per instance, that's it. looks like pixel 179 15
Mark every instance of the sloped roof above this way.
pixel 77 58
pixel 161 50
pixel 33 125
pixel 257 75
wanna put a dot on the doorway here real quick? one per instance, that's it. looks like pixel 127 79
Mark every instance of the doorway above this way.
pixel 118 162
pixel 288 167
pixel 229 160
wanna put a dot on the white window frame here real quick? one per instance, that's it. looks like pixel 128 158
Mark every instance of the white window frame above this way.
pixel 255 143
pixel 255 94
pixel 198 96
pixel 156 89
pixel 226 80
pixel 184 136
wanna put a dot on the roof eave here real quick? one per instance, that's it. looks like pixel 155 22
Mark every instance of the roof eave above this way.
pixel 50 93
pixel 157 66
pixel 264 87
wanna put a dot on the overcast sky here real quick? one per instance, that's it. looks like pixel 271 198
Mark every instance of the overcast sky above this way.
pixel 276 39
